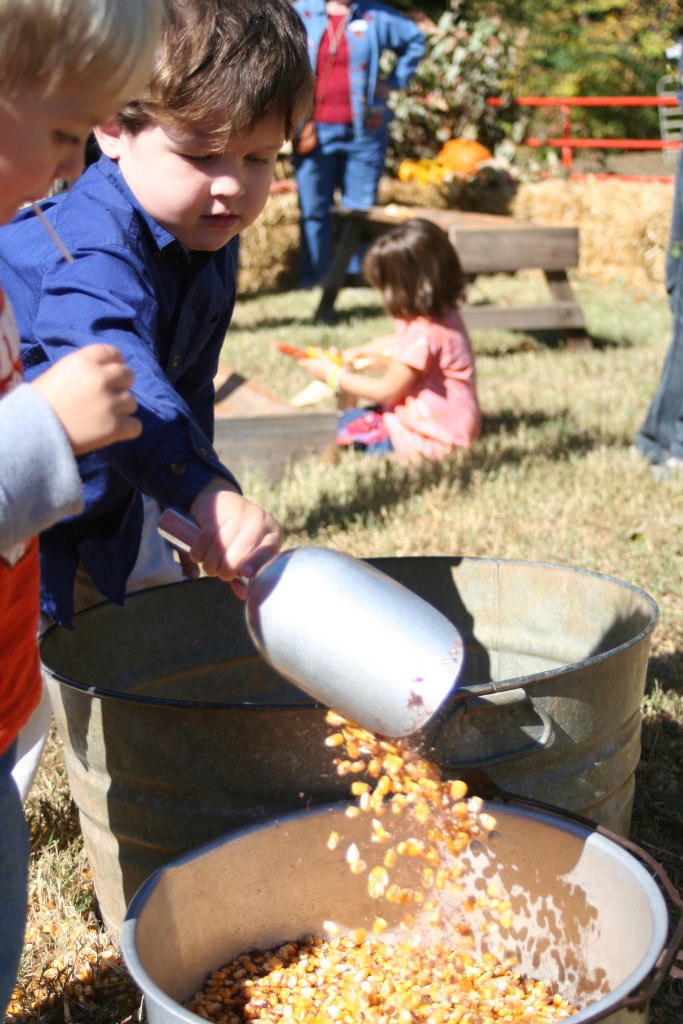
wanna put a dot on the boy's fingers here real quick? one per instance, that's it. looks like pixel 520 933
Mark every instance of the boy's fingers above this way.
pixel 240 556
pixel 239 589
pixel 130 427
pixel 101 352
pixel 126 402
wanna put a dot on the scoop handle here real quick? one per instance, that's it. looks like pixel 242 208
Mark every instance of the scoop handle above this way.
pixel 180 529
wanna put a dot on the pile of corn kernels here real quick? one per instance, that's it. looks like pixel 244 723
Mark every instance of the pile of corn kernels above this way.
pixel 359 979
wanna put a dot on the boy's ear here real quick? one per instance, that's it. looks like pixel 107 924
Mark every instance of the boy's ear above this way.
pixel 108 137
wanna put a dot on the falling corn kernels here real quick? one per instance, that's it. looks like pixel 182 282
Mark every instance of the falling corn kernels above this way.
pixel 356 979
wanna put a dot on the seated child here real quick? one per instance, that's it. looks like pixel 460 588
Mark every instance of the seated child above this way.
pixel 425 403
pixel 184 168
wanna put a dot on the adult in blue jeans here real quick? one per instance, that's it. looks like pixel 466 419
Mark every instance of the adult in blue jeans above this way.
pixel 660 438
pixel 346 41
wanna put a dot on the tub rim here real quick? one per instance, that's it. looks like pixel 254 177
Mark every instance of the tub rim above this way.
pixel 603 1007
pixel 480 689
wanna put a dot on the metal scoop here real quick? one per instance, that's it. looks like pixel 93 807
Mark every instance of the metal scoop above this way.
pixel 347 634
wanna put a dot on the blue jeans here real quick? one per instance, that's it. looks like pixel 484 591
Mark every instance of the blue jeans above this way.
pixel 339 161
pixel 13 878
pixel 661 433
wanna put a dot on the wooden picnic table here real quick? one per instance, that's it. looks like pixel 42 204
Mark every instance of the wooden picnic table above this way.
pixel 486 244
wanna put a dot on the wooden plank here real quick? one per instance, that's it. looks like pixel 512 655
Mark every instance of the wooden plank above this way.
pixel 559 316
pixel 237 396
pixel 507 249
pixel 272 443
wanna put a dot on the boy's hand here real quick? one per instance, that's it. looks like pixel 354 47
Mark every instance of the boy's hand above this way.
pixel 236 537
pixel 89 392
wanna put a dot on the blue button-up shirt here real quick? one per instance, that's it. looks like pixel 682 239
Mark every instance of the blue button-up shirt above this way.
pixel 133 285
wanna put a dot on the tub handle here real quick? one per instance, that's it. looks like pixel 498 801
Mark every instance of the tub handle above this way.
pixel 465 703
pixel 480 784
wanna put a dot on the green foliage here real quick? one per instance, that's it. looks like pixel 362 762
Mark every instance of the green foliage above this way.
pixel 465 63
pixel 482 48
pixel 592 48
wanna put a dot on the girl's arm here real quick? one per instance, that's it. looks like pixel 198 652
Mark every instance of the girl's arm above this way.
pixel 386 390
pixel 383 346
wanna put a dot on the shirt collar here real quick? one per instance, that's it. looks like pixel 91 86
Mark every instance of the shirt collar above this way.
pixel 163 238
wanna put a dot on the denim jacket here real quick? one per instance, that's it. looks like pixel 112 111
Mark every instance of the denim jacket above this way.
pixel 371 28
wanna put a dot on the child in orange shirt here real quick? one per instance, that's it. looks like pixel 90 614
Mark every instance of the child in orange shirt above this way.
pixel 63 67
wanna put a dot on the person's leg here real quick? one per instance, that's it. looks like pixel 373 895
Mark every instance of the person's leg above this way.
pixel 14 854
pixel 316 177
pixel 31 743
pixel 661 433
pixel 363 168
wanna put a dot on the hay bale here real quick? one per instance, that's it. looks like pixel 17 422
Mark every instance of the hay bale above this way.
pixel 269 248
pixel 623 225
pixel 489 191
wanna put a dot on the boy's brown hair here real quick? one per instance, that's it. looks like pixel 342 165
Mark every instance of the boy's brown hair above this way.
pixel 416 269
pixel 225 65
pixel 104 45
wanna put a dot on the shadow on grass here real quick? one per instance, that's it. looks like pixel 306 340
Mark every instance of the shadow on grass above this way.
pixel 52 823
pixel 657 823
pixel 376 485
pixel 554 444
pixel 538 341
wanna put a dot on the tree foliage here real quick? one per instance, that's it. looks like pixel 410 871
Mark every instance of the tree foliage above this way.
pixel 481 48
pixel 464 64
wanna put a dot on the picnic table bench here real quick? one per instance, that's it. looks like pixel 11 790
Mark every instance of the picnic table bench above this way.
pixel 485 244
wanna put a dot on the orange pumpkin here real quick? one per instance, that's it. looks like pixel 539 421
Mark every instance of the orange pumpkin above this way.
pixel 463 156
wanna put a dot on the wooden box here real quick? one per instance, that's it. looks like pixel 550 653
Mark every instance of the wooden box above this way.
pixel 254 428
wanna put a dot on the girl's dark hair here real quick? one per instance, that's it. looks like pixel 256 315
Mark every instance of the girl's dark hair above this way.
pixel 416 269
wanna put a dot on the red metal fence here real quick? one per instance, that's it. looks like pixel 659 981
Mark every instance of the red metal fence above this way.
pixel 567 143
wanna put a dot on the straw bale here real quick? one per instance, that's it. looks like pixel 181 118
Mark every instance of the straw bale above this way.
pixel 269 248
pixel 623 225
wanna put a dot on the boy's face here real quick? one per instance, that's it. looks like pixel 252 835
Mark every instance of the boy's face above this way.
pixel 41 139
pixel 202 196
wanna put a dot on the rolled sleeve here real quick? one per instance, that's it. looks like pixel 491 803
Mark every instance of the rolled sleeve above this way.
pixel 173 458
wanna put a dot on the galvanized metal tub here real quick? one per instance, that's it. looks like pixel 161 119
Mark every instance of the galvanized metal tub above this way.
pixel 176 731
pixel 586 913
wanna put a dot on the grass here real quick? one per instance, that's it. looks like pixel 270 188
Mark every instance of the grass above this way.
pixel 552 480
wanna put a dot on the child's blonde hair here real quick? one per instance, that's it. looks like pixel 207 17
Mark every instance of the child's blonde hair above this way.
pixel 225 65
pixel 104 45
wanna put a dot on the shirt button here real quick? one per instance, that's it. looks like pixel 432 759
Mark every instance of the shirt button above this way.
pixel 206 453
pixel 178 468
pixel 176 361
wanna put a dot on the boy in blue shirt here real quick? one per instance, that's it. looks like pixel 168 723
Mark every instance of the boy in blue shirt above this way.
pixel 184 169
